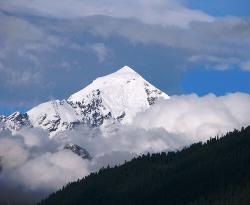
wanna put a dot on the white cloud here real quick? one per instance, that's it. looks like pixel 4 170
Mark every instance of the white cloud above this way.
pixel 12 153
pixel 122 138
pixel 33 166
pixel 34 137
pixel 219 63
pixel 20 44
pixel 198 118
pixel 163 12
pixel 51 171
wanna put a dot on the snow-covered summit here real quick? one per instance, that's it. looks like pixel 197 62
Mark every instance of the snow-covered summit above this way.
pixel 127 70
pixel 116 97
pixel 106 82
pixel 121 94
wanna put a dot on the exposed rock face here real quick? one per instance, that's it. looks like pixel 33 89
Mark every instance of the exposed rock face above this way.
pixel 152 94
pixel 78 150
pixel 92 110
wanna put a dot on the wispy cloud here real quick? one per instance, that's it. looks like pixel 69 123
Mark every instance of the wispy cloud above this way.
pixel 163 12
pixel 101 51
pixel 245 66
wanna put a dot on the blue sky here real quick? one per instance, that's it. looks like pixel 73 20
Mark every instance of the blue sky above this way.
pixel 222 7
pixel 202 81
pixel 50 50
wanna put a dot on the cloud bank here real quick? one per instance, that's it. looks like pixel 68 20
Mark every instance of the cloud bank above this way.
pixel 198 118
pixel 33 165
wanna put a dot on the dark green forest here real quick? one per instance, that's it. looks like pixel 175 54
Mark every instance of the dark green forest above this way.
pixel 216 172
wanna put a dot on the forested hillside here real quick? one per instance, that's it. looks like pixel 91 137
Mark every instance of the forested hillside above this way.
pixel 216 172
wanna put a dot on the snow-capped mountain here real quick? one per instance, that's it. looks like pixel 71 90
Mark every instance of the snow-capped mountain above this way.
pixel 117 97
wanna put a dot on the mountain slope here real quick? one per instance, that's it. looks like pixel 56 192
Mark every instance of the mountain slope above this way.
pixel 108 99
pixel 216 172
pixel 54 116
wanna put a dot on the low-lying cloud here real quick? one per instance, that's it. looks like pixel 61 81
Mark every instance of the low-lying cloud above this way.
pixel 34 165
pixel 198 117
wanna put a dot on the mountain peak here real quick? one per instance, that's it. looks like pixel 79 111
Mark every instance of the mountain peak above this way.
pixel 126 69
pixel 119 95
